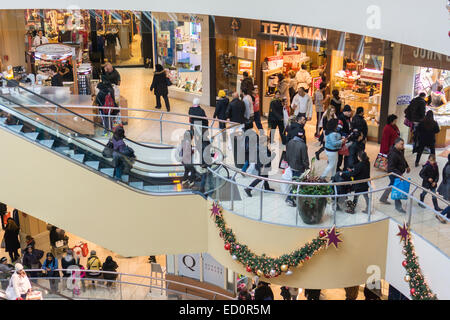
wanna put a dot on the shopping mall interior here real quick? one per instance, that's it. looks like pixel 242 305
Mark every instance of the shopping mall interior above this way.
pixel 221 225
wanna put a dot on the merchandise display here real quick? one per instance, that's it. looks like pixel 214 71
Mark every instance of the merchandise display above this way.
pixel 179 51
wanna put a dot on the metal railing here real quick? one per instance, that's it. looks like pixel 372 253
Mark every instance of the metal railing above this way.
pixel 120 288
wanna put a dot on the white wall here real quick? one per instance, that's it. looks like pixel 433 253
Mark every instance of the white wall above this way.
pixel 418 23
pixel 402 83
pixel 434 264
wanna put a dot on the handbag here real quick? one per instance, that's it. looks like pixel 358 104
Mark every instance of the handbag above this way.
pixel 108 151
pixel 283 164
pixel 408 123
pixel 381 162
pixel 344 150
pixel 403 186
pixel 3 246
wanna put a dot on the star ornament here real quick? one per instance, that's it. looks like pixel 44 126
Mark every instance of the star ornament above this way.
pixel 333 237
pixel 215 210
pixel 404 232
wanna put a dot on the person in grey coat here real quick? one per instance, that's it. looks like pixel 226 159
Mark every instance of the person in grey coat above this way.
pixel 297 158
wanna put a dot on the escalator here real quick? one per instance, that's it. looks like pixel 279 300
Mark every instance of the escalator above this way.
pixel 86 150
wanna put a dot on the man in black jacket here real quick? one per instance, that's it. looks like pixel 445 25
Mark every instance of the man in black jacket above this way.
pixel 196 111
pixel 415 113
pixel 397 164
pixel 276 117
pixel 236 113
pixel 345 117
pixel 247 84
pixel 236 109
pixel 358 122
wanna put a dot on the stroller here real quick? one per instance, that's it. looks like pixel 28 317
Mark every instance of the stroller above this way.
pixel 343 189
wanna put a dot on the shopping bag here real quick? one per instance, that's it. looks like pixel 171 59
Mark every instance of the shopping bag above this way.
pixel 3 245
pixel 285 117
pixel 84 250
pixel 287 175
pixel 344 150
pixel 403 186
pixel 6 217
pixel 381 162
pixel 252 169
pixel 283 162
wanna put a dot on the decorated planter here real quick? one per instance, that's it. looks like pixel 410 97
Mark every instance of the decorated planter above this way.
pixel 311 209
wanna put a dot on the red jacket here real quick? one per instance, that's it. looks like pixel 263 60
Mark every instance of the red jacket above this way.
pixel 390 133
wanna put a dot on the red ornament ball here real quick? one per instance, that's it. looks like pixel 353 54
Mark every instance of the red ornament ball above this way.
pixel 307 258
pixel 322 233
pixel 249 269
pixel 413 291
pixel 404 263
pixel 227 246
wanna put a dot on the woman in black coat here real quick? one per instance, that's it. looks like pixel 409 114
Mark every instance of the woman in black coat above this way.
pixel 360 172
pixel 427 131
pixel 109 265
pixel 159 84
pixel 31 260
pixel 12 244
pixel 430 176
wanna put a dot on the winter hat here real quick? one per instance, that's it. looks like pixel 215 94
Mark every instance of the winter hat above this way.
pixel 69 252
pixel 93 252
pixel 196 101
pixel 347 108
pixel 18 267
pixel 3 260
pixel 222 94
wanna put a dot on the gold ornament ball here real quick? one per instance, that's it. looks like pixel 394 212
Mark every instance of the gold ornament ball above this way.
pixel 407 278
pixel 284 268
pixel 259 273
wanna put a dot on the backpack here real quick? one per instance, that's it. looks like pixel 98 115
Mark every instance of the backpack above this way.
pixel 422 172
pixel 94 263
pixel 109 102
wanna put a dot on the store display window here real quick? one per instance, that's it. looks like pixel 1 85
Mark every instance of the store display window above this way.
pixel 357 72
pixel 180 52
pixel 118 32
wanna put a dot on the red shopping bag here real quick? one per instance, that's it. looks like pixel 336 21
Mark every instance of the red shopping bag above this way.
pixel 84 250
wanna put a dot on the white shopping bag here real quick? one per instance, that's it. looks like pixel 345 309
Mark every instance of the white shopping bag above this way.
pixel 287 175
pixel 252 169
pixel 285 117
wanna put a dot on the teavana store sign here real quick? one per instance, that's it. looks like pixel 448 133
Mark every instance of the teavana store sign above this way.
pixel 294 31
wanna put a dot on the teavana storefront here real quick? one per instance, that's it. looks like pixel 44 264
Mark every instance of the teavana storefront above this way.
pixel 351 63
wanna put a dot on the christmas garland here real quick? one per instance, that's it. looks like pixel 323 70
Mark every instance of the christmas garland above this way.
pixel 263 265
pixel 419 289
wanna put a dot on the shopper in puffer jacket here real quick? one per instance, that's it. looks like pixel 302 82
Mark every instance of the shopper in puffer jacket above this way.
pixel 109 265
pixel 159 85
pixel 396 164
pixel 444 188
pixel 430 176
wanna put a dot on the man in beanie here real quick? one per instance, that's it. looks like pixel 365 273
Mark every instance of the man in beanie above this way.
pixel 221 111
pixel 66 262
pixel 194 112
pixel 95 265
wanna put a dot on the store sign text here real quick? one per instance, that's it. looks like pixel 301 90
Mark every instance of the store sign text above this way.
pixel 289 30
pixel 424 58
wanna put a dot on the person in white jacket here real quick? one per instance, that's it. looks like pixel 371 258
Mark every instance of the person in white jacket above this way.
pixel 302 104
pixel 303 78
pixel 19 284
pixel 40 39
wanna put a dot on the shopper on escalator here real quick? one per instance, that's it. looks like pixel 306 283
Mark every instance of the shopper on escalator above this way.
pixel 185 152
pixel 119 149
pixel 111 266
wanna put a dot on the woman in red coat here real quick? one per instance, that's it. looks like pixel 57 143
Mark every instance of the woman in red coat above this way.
pixel 390 133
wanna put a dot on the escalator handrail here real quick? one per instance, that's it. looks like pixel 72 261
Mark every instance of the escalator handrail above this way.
pixel 17 84
pixel 89 138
